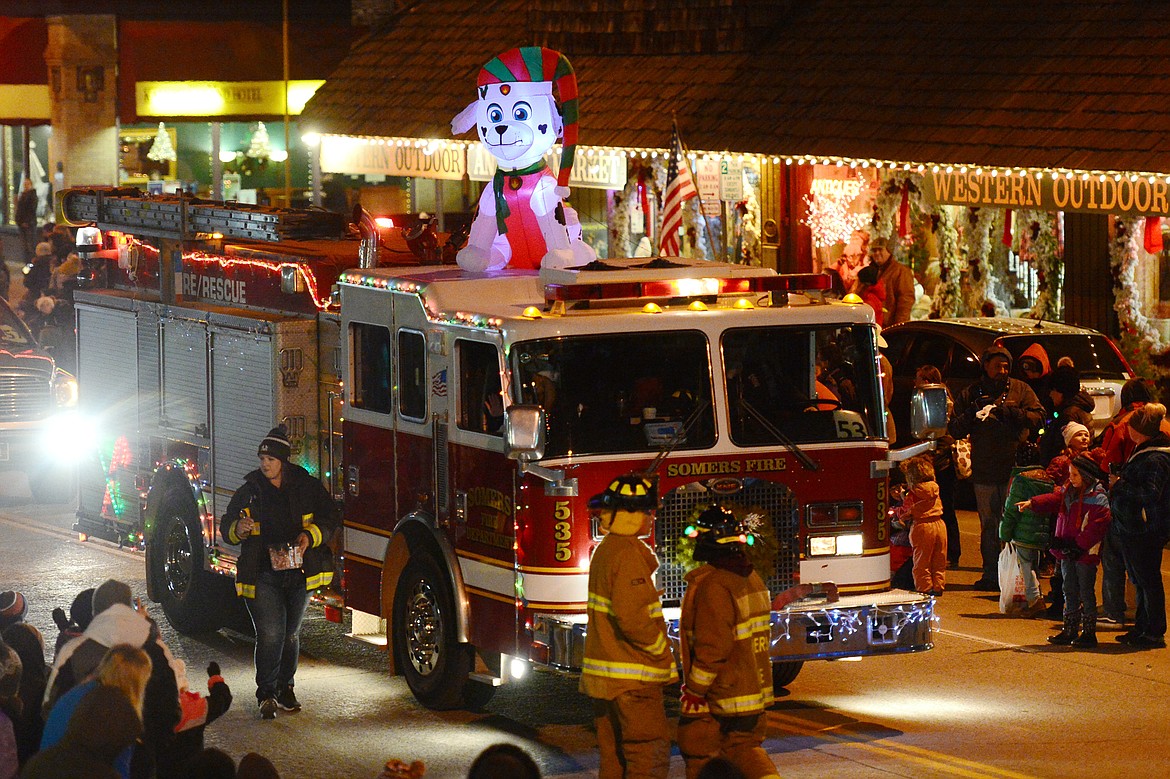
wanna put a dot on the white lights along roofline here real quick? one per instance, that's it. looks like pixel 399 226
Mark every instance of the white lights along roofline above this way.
pixel 431 144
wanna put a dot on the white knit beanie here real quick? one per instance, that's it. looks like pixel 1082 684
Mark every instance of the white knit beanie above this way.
pixel 1071 429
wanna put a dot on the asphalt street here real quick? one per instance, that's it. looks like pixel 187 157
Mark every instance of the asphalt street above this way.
pixel 992 699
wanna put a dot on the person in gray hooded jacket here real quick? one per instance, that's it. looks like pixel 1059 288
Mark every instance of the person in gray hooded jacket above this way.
pixel 997 412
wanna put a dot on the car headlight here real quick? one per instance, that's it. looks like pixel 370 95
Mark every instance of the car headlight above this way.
pixel 835 546
pixel 64 389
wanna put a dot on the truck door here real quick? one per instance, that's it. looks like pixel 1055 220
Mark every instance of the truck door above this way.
pixel 368 478
pixel 482 492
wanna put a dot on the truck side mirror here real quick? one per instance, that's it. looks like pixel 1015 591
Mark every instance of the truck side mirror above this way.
pixel 928 412
pixel 524 432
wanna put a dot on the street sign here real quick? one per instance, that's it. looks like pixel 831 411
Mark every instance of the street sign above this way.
pixel 731 180
pixel 707 180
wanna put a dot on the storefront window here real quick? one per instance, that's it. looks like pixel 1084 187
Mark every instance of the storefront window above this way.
pixel 12 162
pixel 135 167
pixel 592 206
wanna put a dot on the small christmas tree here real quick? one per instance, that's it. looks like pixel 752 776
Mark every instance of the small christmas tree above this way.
pixel 162 150
pixel 259 148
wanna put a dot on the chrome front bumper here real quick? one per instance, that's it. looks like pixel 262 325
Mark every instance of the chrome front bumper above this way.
pixel 855 626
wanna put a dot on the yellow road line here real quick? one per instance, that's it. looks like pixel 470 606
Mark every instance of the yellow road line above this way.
pixel 936 761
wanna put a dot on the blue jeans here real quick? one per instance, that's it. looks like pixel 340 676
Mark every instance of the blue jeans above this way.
pixel 1028 559
pixel 277 612
pixel 989 500
pixel 1080 589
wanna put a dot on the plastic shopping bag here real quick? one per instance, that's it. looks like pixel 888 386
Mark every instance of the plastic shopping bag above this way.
pixel 1011 581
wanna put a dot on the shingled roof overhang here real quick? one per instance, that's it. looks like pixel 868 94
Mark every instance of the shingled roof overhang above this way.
pixel 1048 84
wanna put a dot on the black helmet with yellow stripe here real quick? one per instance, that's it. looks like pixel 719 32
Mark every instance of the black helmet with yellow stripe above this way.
pixel 632 492
pixel 716 531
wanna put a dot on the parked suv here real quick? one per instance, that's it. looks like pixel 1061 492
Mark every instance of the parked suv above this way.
pixel 37 399
pixel 954 347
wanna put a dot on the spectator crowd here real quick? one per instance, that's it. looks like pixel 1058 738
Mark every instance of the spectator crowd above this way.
pixel 116 702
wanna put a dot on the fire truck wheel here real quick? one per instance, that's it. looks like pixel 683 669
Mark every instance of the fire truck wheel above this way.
pixel 186 590
pixel 436 666
pixel 784 674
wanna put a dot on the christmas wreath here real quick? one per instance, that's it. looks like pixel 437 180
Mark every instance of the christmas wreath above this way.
pixel 761 551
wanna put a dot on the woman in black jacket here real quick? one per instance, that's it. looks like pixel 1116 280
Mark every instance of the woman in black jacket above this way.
pixel 282 517
pixel 1140 503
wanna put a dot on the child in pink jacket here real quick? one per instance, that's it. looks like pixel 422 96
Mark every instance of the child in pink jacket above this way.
pixel 1082 519
pixel 928 534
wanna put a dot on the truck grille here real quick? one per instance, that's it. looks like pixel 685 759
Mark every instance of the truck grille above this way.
pixel 773 500
pixel 23 396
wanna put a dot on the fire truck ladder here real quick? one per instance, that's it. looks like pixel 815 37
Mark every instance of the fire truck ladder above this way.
pixel 178 217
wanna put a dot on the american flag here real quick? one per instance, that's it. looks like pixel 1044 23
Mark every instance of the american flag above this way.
pixel 680 188
pixel 439 384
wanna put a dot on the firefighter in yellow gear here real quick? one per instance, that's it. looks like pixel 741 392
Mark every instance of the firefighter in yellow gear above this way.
pixel 725 634
pixel 628 659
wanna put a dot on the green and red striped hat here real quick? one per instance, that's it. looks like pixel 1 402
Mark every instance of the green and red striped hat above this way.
pixel 536 64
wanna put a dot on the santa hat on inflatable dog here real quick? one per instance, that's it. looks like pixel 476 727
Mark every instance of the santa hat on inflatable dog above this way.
pixel 535 70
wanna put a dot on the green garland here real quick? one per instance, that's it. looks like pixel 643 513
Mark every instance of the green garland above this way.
pixel 1140 342
pixel 888 201
pixel 1039 247
pixel 946 302
pixel 977 280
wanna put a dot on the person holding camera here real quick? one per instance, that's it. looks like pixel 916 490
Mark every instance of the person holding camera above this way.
pixel 282 518
pixel 997 412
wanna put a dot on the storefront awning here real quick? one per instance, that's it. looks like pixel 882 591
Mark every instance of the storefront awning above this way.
pixel 1049 85
pixel 24 89
pixel 240 61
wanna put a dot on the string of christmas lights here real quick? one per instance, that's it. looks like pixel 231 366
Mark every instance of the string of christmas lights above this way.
pixel 204 258
pixel 430 146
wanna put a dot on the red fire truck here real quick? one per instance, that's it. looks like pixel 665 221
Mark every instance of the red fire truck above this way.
pixel 464 420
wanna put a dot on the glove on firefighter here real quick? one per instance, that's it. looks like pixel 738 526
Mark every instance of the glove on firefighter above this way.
pixel 691 703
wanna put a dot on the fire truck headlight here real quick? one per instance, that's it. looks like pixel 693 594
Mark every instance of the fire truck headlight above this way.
pixel 68 437
pixel 517 668
pixel 835 546
pixel 822 546
pixel 64 389
pixel 849 545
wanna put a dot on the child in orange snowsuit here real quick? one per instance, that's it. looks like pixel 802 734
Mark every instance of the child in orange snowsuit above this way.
pixel 928 535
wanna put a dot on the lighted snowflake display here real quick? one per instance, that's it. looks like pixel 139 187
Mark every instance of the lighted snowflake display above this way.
pixel 830 212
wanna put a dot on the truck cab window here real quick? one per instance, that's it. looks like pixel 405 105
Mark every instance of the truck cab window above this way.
pixel 412 375
pixel 620 392
pixel 811 384
pixel 370 352
pixel 481 404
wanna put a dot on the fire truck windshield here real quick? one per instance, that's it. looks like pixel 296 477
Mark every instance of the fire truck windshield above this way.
pixel 619 393
pixel 810 383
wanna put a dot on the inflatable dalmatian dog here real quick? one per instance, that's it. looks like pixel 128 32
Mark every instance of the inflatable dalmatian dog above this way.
pixel 522 221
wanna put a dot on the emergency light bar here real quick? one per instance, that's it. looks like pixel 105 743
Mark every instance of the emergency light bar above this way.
pixel 687 287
